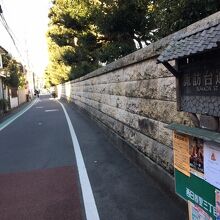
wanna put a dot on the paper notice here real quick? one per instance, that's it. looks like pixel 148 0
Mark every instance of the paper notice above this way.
pixel 197 213
pixel 196 151
pixel 212 163
pixel 181 153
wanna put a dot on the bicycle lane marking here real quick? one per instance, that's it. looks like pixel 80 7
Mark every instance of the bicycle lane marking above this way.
pixel 88 197
pixel 17 115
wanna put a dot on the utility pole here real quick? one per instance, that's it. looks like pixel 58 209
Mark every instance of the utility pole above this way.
pixel 34 81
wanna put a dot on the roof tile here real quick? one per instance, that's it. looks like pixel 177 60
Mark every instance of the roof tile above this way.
pixel 201 41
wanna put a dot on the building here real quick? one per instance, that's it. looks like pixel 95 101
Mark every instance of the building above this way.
pixel 13 95
pixel 2 74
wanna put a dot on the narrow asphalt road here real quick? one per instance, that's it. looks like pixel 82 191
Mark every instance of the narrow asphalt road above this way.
pixel 57 164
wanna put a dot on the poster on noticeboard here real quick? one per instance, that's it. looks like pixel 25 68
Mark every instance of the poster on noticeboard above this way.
pixel 196 151
pixel 197 213
pixel 212 163
pixel 181 153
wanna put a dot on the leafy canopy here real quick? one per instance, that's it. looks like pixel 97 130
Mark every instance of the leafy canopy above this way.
pixel 14 72
pixel 86 34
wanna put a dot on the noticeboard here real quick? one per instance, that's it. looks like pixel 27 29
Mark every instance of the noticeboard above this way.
pixel 201 185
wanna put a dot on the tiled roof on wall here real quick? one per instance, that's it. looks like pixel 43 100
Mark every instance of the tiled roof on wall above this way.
pixel 188 45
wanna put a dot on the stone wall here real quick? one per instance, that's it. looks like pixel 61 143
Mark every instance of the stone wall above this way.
pixel 136 98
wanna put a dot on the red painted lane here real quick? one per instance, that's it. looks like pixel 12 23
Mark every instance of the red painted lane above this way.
pixel 50 194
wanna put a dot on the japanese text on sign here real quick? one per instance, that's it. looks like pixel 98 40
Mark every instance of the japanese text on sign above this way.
pixel 201 83
pixel 200 201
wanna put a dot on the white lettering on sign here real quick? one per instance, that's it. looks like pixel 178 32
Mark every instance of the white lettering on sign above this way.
pixel 217 79
pixel 197 79
pixel 204 89
pixel 201 82
pixel 186 80
pixel 200 201
pixel 208 79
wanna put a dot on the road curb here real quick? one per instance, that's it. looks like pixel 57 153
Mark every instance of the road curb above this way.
pixel 16 114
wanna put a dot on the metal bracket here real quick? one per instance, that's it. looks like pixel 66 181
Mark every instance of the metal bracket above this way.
pixel 171 69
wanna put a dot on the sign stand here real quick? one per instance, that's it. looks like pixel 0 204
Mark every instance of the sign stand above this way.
pixel 197 149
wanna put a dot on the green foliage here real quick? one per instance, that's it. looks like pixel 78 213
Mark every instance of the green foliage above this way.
pixel 71 41
pixel 112 50
pixel 85 34
pixel 123 20
pixel 171 16
pixel 3 105
pixel 22 81
pixel 14 72
pixel 81 69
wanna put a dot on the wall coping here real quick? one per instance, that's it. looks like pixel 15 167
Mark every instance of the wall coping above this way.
pixel 153 50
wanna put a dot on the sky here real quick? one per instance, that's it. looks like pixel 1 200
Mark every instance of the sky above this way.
pixel 28 21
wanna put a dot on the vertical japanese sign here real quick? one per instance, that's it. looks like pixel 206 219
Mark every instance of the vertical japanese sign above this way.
pixel 181 153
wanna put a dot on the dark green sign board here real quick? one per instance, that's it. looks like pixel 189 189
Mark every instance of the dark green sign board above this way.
pixel 196 190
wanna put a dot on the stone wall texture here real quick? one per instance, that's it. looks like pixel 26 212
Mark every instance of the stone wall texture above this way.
pixel 136 98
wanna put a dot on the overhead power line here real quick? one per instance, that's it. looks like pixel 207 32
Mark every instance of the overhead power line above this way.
pixel 9 31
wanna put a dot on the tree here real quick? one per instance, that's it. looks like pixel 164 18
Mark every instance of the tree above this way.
pixel 171 16
pixel 14 72
pixel 56 72
pixel 124 26
pixel 84 34
pixel 72 41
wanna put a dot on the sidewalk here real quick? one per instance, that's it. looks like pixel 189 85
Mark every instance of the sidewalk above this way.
pixel 12 111
pixel 121 190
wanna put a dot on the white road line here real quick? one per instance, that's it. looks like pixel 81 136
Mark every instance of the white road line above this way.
pixel 52 110
pixel 88 197
pixel 13 118
pixel 39 107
